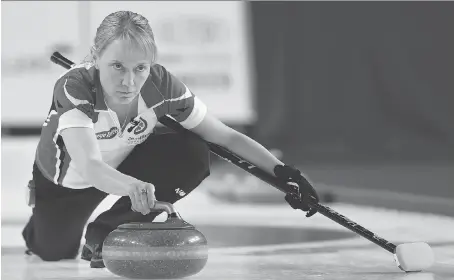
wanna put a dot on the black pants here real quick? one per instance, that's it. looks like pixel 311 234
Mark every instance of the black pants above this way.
pixel 169 161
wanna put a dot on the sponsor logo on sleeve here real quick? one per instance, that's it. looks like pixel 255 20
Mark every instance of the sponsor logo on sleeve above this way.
pixel 107 134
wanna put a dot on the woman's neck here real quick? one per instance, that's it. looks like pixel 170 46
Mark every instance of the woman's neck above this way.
pixel 118 106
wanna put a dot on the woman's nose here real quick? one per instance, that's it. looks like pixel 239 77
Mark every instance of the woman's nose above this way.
pixel 128 79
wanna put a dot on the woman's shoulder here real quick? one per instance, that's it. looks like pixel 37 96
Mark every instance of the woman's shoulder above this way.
pixel 165 79
pixel 161 74
pixel 157 72
pixel 84 73
pixel 80 78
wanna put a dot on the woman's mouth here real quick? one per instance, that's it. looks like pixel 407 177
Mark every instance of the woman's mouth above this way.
pixel 127 92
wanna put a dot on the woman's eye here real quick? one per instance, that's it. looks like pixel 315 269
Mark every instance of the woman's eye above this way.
pixel 141 68
pixel 117 66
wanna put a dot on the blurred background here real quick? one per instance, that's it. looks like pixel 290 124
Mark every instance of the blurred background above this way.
pixel 358 95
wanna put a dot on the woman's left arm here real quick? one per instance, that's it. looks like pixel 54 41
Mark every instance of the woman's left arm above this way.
pixel 213 130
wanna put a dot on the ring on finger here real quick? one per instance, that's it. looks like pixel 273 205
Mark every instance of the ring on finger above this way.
pixel 144 191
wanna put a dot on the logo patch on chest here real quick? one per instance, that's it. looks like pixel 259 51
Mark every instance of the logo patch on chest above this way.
pixel 107 134
pixel 141 127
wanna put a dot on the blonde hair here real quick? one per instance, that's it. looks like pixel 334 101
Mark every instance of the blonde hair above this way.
pixel 124 25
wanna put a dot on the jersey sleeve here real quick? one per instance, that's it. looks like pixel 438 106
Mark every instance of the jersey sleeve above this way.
pixel 74 103
pixel 183 105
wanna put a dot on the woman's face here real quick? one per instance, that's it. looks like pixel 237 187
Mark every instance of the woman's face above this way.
pixel 123 69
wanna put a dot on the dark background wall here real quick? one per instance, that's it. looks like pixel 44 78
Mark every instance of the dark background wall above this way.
pixel 355 81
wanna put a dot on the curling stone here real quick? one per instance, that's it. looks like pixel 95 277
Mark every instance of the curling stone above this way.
pixel 157 250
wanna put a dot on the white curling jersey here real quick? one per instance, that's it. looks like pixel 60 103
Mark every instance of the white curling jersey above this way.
pixel 78 101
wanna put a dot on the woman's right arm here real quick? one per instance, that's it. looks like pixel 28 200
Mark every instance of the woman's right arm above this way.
pixel 74 105
pixel 82 146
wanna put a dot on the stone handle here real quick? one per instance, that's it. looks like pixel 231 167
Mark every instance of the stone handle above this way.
pixel 167 207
